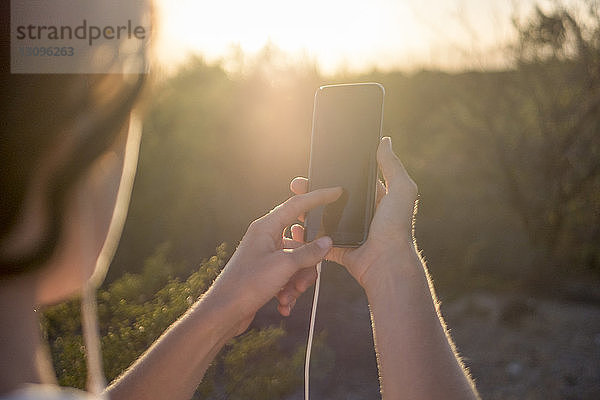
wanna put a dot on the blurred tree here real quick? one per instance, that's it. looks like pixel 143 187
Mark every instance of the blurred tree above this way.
pixel 540 125
pixel 218 150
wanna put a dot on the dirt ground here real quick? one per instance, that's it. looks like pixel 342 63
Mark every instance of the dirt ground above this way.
pixel 520 347
pixel 516 346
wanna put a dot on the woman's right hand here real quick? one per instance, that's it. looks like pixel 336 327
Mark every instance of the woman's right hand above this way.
pixel 390 235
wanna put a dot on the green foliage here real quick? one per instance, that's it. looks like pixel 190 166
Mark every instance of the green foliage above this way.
pixel 137 308
pixel 251 375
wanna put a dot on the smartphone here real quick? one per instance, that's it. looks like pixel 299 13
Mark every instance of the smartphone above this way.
pixel 346 131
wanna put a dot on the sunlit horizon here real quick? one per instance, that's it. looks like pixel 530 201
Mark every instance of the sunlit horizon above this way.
pixel 346 35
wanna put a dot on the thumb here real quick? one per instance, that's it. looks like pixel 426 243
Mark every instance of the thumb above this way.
pixel 311 253
pixel 392 168
pixel 390 165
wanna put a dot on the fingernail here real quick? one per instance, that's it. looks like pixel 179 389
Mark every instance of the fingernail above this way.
pixel 387 140
pixel 324 242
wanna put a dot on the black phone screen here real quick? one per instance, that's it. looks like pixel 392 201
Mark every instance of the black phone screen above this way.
pixel 346 131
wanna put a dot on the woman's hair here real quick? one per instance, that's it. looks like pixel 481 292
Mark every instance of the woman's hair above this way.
pixel 38 111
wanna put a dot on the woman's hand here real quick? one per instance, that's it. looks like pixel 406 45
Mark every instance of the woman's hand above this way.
pixel 391 229
pixel 266 263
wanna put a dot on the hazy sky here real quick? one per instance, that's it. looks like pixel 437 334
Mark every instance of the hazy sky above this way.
pixel 347 33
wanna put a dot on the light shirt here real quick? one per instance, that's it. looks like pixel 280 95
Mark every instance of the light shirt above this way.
pixel 47 392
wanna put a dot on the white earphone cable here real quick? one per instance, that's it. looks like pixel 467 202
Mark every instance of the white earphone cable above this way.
pixel 311 332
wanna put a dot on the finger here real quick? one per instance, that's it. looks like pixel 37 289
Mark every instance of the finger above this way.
pixel 287 212
pixel 287 298
pixel 288 294
pixel 297 233
pixel 291 243
pixel 380 193
pixel 299 283
pixel 393 171
pixel 304 279
pixel 287 309
pixel 299 185
pixel 307 255
pixel 284 310
pixel 302 217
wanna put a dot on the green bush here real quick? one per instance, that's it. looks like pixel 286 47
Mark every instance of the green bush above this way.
pixel 136 309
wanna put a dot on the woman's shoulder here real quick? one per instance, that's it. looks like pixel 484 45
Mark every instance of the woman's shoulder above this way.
pixel 47 392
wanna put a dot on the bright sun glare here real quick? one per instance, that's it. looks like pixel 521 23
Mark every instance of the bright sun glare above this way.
pixel 349 34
